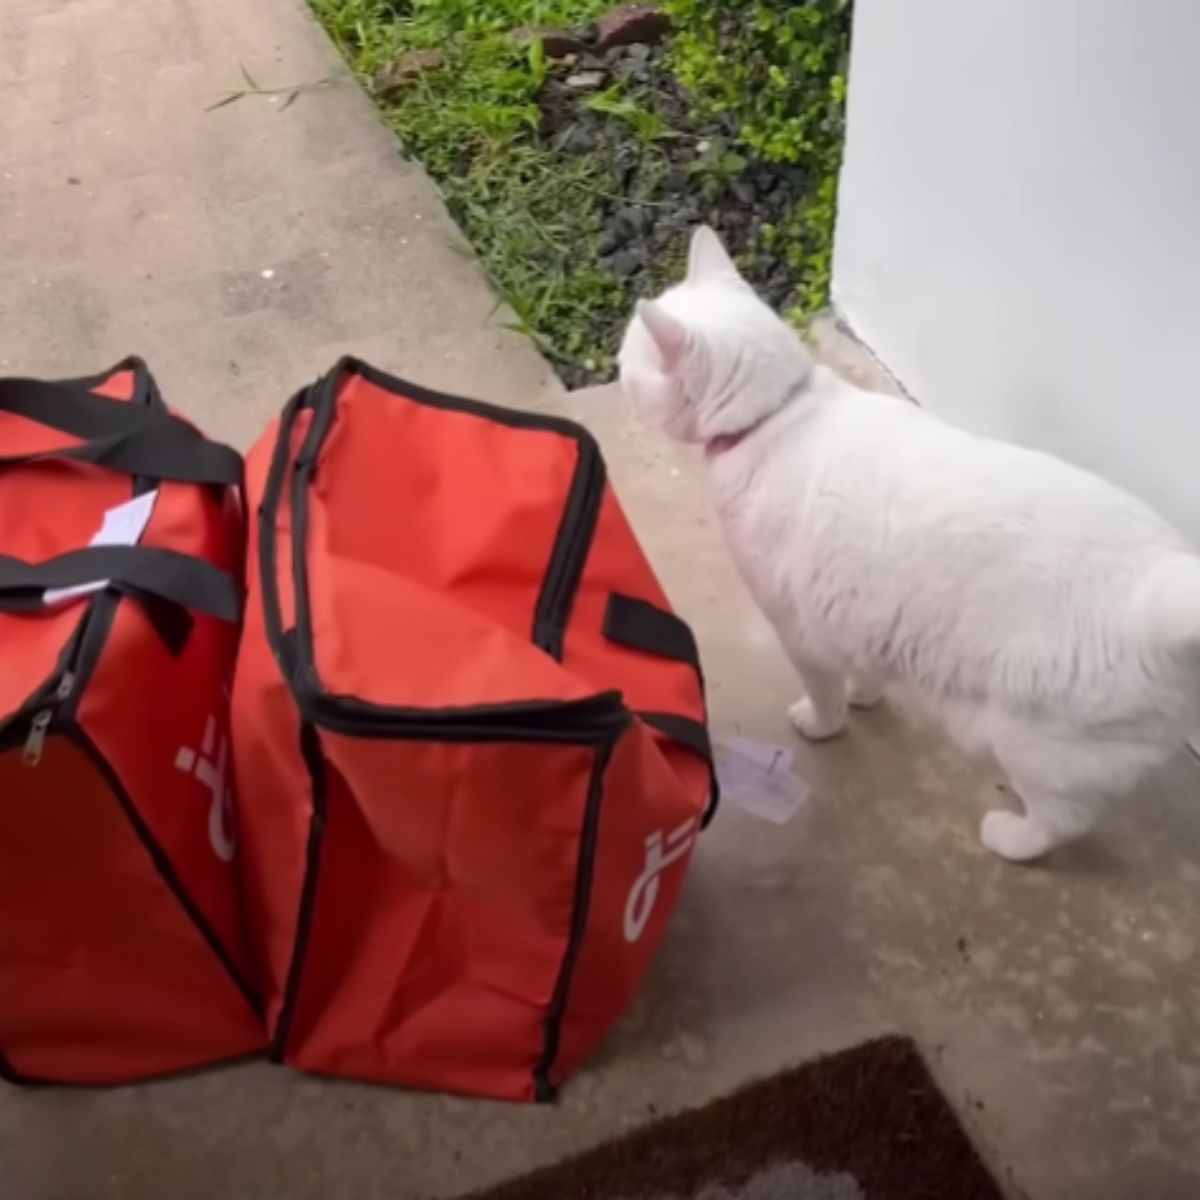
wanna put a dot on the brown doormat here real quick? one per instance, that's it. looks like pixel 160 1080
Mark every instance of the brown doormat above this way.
pixel 866 1124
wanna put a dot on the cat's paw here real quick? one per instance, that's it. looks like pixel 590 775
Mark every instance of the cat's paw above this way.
pixel 1015 838
pixel 813 725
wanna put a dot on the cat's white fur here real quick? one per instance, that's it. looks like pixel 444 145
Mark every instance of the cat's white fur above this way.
pixel 1048 616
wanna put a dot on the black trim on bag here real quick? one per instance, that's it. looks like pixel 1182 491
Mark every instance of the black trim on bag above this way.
pixel 572 545
pixel 586 721
pixel 164 866
pixel 70 731
pixel 589 840
pixel 9 1075
pixel 32 1083
pixel 314 761
pixel 649 629
pixel 515 418
pixel 693 735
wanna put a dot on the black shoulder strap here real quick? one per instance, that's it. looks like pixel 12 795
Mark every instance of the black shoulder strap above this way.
pixel 134 438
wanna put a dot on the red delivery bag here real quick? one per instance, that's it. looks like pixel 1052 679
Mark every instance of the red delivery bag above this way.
pixel 122 949
pixel 471 741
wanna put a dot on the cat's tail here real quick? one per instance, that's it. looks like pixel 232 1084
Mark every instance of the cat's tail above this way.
pixel 1170 606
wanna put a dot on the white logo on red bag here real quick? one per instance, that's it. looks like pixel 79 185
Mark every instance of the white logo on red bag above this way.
pixel 209 766
pixel 662 851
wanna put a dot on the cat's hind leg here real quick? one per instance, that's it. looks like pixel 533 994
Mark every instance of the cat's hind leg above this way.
pixel 1051 820
pixel 1061 784
pixel 821 713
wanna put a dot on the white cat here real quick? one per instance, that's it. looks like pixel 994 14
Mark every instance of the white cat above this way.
pixel 1048 616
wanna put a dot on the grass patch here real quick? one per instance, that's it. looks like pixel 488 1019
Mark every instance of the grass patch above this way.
pixel 578 182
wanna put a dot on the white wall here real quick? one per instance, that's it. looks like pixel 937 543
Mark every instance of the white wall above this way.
pixel 1019 230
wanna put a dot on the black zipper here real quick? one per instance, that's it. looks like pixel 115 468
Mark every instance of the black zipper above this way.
pixel 314 762
pixel 584 873
pixel 595 718
pixel 52 706
pixel 164 866
pixel 571 549
pixel 591 720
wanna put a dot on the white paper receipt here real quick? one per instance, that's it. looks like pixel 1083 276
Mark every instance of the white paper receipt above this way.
pixel 122 526
pixel 758 777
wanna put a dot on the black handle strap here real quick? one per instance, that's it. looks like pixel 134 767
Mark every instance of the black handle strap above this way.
pixel 642 626
pixel 134 438
pixel 141 571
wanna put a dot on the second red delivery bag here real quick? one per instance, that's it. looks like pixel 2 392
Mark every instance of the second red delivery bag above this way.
pixel 471 741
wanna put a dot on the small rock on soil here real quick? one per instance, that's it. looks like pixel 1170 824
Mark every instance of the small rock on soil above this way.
pixel 586 81
pixel 632 24
pixel 557 43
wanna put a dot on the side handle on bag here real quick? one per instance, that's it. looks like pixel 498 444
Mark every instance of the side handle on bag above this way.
pixel 641 626
pixel 651 630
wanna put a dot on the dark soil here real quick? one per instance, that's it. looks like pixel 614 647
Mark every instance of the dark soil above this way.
pixel 664 184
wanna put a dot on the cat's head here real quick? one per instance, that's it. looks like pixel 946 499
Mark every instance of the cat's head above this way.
pixel 708 359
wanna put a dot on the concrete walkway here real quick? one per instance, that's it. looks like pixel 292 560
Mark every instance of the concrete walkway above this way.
pixel 240 251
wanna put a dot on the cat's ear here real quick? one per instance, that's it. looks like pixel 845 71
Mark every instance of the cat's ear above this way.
pixel 669 334
pixel 708 260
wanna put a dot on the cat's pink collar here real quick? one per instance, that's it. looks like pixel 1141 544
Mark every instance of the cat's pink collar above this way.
pixel 727 441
